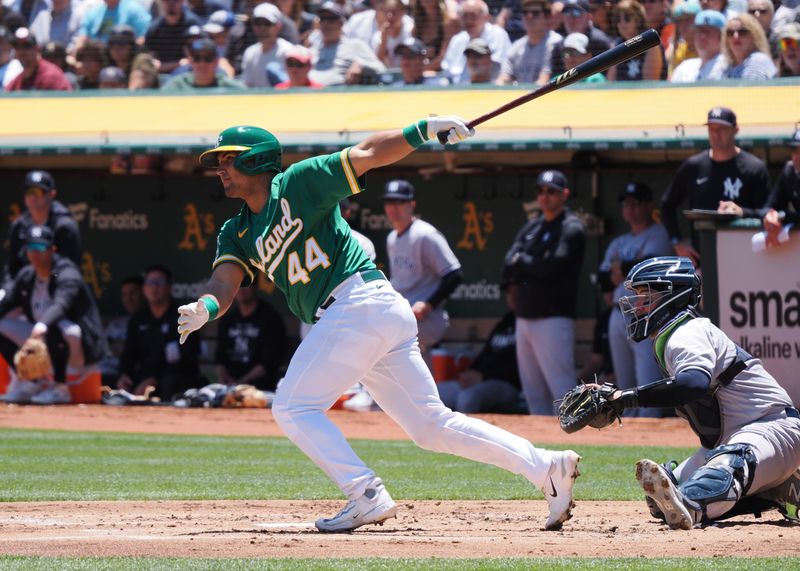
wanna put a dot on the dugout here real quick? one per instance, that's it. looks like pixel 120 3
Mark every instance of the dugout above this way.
pixel 126 166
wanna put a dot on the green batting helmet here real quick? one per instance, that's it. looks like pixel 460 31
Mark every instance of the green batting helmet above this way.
pixel 259 150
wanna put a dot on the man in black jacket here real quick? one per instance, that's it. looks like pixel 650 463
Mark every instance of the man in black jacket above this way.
pixel 42 209
pixel 60 310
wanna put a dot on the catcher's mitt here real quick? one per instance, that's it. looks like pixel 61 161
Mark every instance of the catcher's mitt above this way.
pixel 588 405
pixel 245 396
pixel 32 361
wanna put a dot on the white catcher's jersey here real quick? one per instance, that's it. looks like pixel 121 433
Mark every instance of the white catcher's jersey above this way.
pixel 418 259
pixel 751 396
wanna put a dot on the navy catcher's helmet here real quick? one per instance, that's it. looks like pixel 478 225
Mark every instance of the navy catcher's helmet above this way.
pixel 662 288
pixel 259 150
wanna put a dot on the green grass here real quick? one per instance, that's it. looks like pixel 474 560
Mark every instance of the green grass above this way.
pixel 576 564
pixel 41 465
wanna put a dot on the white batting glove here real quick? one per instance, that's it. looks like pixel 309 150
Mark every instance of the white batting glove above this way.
pixel 191 317
pixel 455 127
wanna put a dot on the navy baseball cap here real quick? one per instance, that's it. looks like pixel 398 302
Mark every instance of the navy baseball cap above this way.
pixel 412 46
pixel 637 190
pixel 39 238
pixel 552 179
pixel 399 190
pixel 39 179
pixel 795 142
pixel 721 116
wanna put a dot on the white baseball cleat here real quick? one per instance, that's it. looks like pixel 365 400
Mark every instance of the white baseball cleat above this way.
pixel 374 506
pixel 558 488
pixel 659 487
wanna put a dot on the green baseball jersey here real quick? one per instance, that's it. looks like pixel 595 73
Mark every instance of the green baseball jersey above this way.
pixel 299 239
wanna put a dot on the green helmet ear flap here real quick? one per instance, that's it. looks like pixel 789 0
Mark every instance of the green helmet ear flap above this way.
pixel 263 157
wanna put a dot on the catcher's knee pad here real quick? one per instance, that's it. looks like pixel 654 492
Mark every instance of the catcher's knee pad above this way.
pixel 715 487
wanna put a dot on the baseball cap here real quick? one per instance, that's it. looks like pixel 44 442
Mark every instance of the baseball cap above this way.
pixel 413 46
pixel 710 18
pixel 299 53
pixel 637 190
pixel 331 8
pixel 112 74
pixel 121 34
pixel 578 42
pixel 576 6
pixel 552 179
pixel 399 189
pixel 686 8
pixel 203 45
pixel 39 179
pixel 219 21
pixel 268 12
pixel 795 142
pixel 478 46
pixel 721 116
pixel 39 238
pixel 23 37
pixel 193 32
pixel 790 31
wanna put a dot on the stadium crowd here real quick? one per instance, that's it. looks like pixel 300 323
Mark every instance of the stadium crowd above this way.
pixel 238 44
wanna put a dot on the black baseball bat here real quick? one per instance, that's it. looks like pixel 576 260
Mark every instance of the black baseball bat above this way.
pixel 599 63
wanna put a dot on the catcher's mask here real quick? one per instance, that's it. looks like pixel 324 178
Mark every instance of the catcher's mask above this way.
pixel 259 150
pixel 662 288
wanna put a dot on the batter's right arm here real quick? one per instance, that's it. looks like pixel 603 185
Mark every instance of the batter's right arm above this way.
pixel 220 291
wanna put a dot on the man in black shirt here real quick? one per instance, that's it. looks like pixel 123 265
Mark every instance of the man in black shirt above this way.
pixel 578 19
pixel 724 178
pixel 165 36
pixel 786 192
pixel 251 343
pixel 152 356
pixel 545 261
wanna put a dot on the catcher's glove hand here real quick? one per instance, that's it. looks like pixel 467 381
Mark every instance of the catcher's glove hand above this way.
pixel 588 405
pixel 32 361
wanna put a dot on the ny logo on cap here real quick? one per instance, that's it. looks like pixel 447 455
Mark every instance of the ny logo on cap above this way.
pixel 36 232
pixel 631 187
pixel 394 186
pixel 716 112
pixel 547 176
pixel 37 177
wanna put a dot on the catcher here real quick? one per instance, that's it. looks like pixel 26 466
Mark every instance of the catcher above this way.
pixel 748 428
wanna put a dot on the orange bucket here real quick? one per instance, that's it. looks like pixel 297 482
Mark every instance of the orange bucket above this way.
pixel 86 388
pixel 5 376
pixel 444 365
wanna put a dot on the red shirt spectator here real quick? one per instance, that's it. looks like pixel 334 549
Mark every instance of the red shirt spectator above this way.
pixel 298 64
pixel 37 73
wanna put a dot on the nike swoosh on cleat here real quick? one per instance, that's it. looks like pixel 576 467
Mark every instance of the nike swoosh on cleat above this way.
pixel 553 487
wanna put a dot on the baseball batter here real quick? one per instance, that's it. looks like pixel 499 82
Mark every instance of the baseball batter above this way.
pixel 748 428
pixel 290 228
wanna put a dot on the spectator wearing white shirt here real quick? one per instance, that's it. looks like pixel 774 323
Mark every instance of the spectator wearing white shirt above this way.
pixel 365 24
pixel 475 20
pixel 269 51
pixel 709 65
pixel 394 31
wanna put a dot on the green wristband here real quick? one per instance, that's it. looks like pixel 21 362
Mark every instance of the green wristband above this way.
pixel 212 306
pixel 416 134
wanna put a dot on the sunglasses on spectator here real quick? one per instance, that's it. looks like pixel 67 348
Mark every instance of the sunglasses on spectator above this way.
pixel 757 11
pixel 207 58
pixel 533 13
pixel 789 44
pixel 741 32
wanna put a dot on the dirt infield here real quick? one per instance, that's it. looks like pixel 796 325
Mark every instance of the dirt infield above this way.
pixel 423 528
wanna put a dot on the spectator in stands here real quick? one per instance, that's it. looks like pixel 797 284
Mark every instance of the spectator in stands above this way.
pixel 764 11
pixel 241 35
pixel 263 62
pixel 557 18
pixel 682 47
pixel 218 28
pixel 578 20
pixel 144 73
pixel 122 47
pixel 41 209
pixel 9 65
pixel 634 363
pixel 599 364
pixel 480 65
pixel 303 20
pixel 529 57
pixel 491 383
pixel 575 48
pixel 204 9
pixel 509 17
pixel 746 50
pixel 116 331
pixel 113 77
pixel 629 18
pixel 413 55
pixel 777 213
pixel 657 17
pixel 100 19
pixel 601 15
pixel 59 23
pixel 395 31
pixel 251 343
pixel 204 70
pixel 422 267
pixel 545 261
pixel 60 310
pixel 475 20
pixel 342 60
pixel 11 19
pixel 789 43
pixel 37 73
pixel 165 34
pixel 298 66
pixel 786 13
pixel 435 23
pixel 724 178
pixel 710 64
pixel 364 24
pixel 56 54
pixel 152 356
pixel 90 58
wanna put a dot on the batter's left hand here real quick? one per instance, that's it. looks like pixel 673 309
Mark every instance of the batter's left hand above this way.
pixel 191 317
pixel 455 127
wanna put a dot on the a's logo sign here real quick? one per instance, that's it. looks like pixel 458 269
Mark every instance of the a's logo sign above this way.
pixel 732 188
pixel 199 227
pixel 477 226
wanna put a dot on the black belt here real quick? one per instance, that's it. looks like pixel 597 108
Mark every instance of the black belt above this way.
pixel 792 412
pixel 366 275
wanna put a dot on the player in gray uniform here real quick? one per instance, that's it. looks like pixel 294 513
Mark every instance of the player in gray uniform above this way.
pixel 748 428
pixel 634 363
pixel 290 228
pixel 422 267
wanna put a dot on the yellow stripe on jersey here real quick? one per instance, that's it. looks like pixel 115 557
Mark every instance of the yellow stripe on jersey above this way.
pixel 229 258
pixel 352 179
